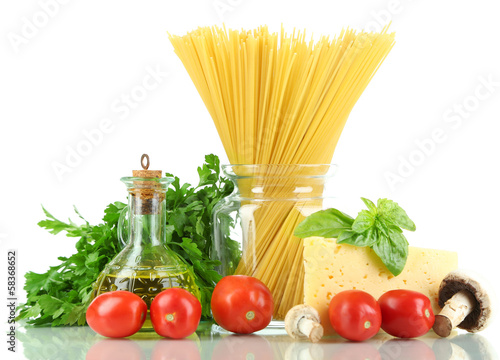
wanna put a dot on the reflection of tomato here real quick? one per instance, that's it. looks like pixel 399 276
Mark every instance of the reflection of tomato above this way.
pixel 243 347
pixel 354 351
pixel 115 349
pixel 242 304
pixel 175 313
pixel 117 314
pixel 407 349
pixel 355 315
pixel 180 349
pixel 406 313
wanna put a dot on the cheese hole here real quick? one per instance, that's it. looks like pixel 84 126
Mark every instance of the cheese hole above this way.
pixel 330 277
pixel 366 276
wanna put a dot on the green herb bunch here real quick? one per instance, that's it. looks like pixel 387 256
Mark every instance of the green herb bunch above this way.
pixel 379 227
pixel 60 296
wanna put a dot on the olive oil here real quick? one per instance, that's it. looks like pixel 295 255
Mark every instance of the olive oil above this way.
pixel 145 282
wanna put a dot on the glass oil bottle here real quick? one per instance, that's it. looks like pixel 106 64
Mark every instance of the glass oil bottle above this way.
pixel 146 266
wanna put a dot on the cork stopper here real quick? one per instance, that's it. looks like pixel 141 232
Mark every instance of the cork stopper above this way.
pixel 147 195
pixel 145 173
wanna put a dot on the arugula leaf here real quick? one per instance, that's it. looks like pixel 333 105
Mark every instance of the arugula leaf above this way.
pixel 60 296
pixel 379 227
pixel 325 223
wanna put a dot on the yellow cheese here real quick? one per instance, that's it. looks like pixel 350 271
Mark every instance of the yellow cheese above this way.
pixel 332 268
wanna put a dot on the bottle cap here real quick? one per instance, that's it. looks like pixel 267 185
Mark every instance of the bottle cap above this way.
pixel 145 173
pixel 147 194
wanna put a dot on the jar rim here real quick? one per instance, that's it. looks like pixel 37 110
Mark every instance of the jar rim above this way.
pixel 131 180
pixel 278 170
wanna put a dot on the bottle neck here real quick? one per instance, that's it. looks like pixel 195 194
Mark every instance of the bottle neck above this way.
pixel 146 218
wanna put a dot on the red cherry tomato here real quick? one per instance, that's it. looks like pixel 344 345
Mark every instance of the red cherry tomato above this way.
pixel 175 313
pixel 353 351
pixel 242 347
pixel 242 304
pixel 407 349
pixel 168 349
pixel 406 313
pixel 355 315
pixel 108 349
pixel 117 314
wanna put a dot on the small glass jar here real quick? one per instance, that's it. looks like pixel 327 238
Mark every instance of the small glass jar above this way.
pixel 146 265
pixel 253 227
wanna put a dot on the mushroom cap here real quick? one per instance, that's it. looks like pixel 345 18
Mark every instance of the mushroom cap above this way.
pixel 294 315
pixel 458 280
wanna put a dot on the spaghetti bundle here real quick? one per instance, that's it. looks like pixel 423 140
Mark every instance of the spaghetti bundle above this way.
pixel 279 99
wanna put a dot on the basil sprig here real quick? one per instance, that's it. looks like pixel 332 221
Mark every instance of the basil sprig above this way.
pixel 380 228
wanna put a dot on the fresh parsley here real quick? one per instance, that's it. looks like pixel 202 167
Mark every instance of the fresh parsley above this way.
pixel 61 295
pixel 379 227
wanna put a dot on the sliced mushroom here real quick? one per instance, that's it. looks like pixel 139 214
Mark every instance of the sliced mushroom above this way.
pixel 302 321
pixel 466 303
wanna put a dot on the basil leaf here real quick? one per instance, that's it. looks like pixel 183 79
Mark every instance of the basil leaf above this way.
pixel 370 205
pixel 382 227
pixel 392 212
pixel 345 237
pixel 363 222
pixel 368 238
pixel 393 251
pixel 326 223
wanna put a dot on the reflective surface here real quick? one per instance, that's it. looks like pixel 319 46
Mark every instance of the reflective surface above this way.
pixel 82 343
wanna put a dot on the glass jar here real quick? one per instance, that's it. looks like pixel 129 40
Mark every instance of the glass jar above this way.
pixel 145 266
pixel 253 227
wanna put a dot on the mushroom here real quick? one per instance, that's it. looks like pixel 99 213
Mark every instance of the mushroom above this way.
pixel 304 351
pixel 445 349
pixel 302 321
pixel 465 303
pixel 476 346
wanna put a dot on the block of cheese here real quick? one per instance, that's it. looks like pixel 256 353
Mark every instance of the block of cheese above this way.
pixel 332 268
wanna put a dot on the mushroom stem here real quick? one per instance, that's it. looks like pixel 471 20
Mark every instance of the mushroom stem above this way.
pixel 454 312
pixel 310 329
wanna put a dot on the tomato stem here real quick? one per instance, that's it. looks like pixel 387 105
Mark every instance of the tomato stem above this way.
pixel 250 315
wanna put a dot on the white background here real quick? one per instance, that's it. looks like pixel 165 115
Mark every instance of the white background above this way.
pixel 65 68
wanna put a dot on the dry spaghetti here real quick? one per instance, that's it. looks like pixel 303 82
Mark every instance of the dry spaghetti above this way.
pixel 279 99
